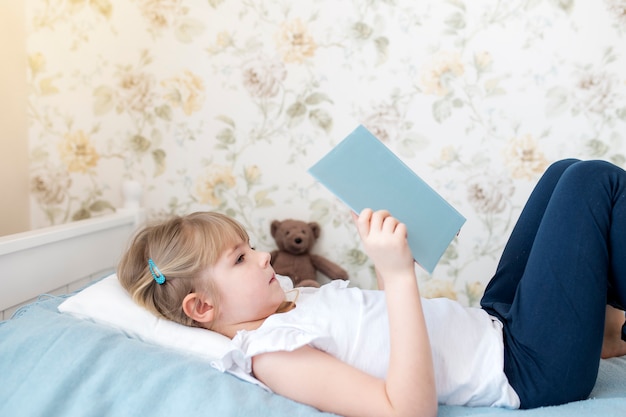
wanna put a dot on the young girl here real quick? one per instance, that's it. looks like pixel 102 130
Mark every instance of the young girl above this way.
pixel 537 340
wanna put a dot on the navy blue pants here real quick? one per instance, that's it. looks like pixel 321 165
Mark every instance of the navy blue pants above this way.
pixel 564 262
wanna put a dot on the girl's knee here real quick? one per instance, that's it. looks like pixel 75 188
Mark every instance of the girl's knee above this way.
pixel 593 168
pixel 561 165
pixel 593 173
pixel 556 169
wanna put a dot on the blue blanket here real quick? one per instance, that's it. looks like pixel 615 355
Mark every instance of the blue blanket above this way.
pixel 53 364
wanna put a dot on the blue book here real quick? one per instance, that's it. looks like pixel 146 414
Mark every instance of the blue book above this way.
pixel 363 173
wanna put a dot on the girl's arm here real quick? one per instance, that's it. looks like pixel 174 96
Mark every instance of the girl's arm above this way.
pixel 313 377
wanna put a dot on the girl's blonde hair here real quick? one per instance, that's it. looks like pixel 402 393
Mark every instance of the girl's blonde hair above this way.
pixel 181 248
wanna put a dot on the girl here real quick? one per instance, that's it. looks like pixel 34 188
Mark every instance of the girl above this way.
pixel 537 340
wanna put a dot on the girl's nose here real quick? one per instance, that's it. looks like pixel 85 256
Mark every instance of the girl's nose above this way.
pixel 265 258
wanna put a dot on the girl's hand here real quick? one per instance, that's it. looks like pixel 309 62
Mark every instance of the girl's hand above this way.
pixel 385 242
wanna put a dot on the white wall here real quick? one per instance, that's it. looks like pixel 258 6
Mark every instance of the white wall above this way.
pixel 14 209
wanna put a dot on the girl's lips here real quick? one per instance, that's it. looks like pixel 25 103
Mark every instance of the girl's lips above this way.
pixel 273 279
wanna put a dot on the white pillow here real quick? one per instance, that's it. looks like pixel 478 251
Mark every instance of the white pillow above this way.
pixel 108 302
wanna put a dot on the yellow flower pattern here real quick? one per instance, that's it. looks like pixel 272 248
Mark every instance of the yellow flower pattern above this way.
pixel 77 152
pixel 524 158
pixel 295 42
pixel 210 188
pixel 185 91
pixel 440 72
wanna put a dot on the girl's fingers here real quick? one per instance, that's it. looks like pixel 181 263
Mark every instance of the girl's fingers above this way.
pixel 363 222
pixel 369 221
pixel 366 215
pixel 390 224
pixel 401 228
pixel 378 219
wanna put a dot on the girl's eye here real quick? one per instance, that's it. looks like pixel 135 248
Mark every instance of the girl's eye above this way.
pixel 240 259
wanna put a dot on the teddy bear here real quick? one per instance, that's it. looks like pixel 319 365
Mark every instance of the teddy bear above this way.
pixel 294 239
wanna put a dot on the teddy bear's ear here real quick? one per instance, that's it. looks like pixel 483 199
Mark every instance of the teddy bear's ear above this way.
pixel 315 228
pixel 274 227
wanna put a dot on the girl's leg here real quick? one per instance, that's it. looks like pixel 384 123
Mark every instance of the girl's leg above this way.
pixel 501 289
pixel 554 324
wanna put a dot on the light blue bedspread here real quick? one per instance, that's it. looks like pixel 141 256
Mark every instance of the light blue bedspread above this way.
pixel 52 364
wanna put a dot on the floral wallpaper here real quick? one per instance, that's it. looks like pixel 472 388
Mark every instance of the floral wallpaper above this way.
pixel 223 105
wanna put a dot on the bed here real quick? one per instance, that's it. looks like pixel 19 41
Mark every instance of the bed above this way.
pixel 59 363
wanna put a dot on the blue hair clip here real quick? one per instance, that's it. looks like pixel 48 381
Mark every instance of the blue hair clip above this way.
pixel 156 273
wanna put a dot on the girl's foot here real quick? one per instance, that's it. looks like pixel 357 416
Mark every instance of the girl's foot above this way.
pixel 613 345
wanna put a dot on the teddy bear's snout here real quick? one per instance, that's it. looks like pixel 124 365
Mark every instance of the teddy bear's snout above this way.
pixel 298 245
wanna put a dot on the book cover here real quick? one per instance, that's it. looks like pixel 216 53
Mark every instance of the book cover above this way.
pixel 363 173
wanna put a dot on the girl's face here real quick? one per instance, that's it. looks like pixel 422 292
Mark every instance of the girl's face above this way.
pixel 247 285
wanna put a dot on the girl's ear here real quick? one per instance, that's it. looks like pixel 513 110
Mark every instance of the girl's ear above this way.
pixel 197 307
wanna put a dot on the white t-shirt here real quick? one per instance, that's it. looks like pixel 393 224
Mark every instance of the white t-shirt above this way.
pixel 352 325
